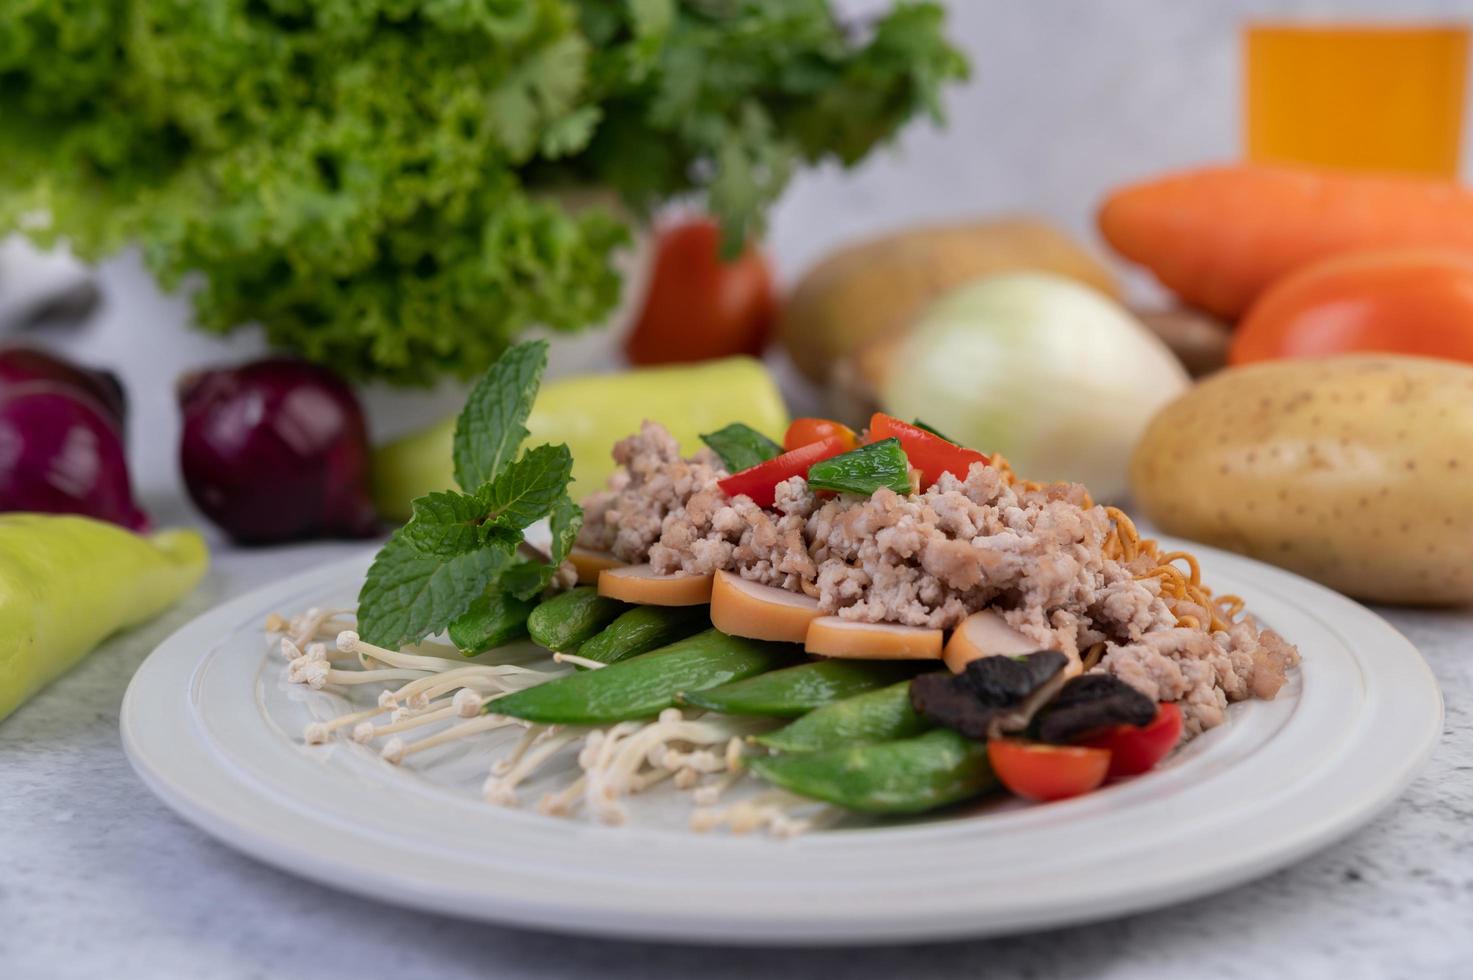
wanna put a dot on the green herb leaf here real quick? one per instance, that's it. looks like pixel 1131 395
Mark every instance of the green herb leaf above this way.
pixel 527 489
pixel 741 446
pixel 490 428
pixel 408 595
pixel 446 523
pixel 526 579
pixel 926 428
pixel 864 470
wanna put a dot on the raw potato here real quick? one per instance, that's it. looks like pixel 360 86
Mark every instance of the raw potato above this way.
pixel 873 290
pixel 1356 471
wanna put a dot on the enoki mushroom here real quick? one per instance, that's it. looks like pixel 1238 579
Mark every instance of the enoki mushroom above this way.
pixel 431 701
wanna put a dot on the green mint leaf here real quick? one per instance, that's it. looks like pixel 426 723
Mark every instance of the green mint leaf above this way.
pixel 490 429
pixel 741 446
pixel 446 524
pixel 863 470
pixel 529 578
pixel 527 489
pixel 926 428
pixel 407 595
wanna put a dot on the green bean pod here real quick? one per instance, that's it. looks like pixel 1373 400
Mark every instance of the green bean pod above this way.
pixel 494 620
pixel 908 776
pixel 875 716
pixel 643 686
pixel 567 619
pixel 642 629
pixel 798 690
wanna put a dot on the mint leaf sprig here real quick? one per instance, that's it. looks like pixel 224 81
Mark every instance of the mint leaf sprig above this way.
pixel 462 545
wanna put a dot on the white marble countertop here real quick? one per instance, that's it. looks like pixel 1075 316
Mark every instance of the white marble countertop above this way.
pixel 99 879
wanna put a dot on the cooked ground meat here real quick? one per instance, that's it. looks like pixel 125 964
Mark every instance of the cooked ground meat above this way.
pixel 930 559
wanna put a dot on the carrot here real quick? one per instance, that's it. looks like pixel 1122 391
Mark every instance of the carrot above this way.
pixel 1218 236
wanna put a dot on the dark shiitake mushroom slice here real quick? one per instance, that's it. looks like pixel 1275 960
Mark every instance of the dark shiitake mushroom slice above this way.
pixel 993 695
pixel 1090 705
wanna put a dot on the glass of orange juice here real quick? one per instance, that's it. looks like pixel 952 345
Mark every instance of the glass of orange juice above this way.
pixel 1375 97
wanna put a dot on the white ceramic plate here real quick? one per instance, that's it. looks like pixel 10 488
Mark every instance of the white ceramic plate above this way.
pixel 213 729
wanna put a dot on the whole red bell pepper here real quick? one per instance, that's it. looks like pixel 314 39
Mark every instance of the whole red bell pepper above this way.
pixel 760 482
pixel 927 452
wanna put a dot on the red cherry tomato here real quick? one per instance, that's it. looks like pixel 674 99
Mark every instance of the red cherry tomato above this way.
pixel 1041 772
pixel 805 431
pixel 700 306
pixel 927 452
pixel 760 482
pixel 1137 750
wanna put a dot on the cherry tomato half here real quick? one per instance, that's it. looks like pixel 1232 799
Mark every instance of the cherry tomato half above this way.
pixel 1137 750
pixel 805 431
pixel 1036 771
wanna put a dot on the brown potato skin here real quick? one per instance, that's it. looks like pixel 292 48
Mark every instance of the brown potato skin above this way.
pixel 1355 471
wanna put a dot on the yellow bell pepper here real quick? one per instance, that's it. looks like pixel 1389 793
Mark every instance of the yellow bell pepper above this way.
pixel 68 583
pixel 590 414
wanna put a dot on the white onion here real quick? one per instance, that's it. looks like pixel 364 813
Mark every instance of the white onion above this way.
pixel 1055 376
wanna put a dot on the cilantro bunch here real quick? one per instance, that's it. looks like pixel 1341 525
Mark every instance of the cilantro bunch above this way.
pixel 462 546
pixel 373 181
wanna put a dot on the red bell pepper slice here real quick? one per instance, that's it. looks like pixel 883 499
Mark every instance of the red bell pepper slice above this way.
pixel 1137 750
pixel 1040 772
pixel 760 482
pixel 927 452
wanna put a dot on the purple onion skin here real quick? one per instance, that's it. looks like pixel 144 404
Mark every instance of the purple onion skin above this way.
pixel 61 454
pixel 276 450
pixel 21 365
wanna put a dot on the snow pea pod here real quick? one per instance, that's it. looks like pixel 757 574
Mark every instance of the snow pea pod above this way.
pixel 567 619
pixel 643 686
pixel 907 776
pixel 493 620
pixel 68 583
pixel 798 690
pixel 875 716
pixel 642 629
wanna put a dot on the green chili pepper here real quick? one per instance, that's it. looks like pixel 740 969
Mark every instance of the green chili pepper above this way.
pixel 908 776
pixel 741 446
pixel 494 620
pixel 876 716
pixel 68 583
pixel 796 690
pixel 643 686
pixel 642 629
pixel 566 620
pixel 863 470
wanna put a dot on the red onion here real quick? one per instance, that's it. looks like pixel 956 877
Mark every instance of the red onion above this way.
pixel 61 454
pixel 276 450
pixel 24 365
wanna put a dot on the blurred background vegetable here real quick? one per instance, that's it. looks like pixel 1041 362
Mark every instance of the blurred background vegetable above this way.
pixel 872 291
pixel 1352 470
pixel 1054 375
pixel 375 183
pixel 60 453
pixel 1406 301
pixel 276 450
pixel 700 304
pixel 68 583
pixel 20 364
pixel 592 413
pixel 1217 237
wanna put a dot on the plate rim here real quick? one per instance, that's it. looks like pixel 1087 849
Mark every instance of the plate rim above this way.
pixel 164 779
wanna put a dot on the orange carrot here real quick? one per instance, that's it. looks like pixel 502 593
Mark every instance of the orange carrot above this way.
pixel 1218 236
